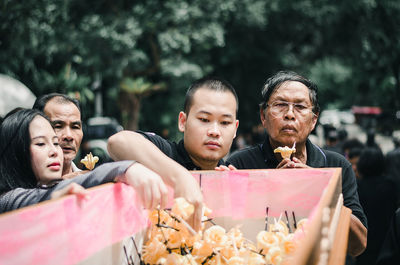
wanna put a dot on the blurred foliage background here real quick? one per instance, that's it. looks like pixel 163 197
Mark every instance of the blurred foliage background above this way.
pixel 142 55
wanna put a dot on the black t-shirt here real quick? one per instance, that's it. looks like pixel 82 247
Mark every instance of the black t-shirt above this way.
pixel 262 156
pixel 175 151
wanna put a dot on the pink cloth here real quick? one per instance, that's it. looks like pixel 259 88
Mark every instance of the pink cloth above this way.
pixel 69 230
pixel 246 193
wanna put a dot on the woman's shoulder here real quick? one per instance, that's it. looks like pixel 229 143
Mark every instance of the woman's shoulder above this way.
pixel 21 197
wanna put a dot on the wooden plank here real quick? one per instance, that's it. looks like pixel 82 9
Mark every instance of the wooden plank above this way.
pixel 339 247
pixel 308 252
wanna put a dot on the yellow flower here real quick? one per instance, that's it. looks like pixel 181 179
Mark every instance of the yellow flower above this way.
pixel 279 226
pixel 182 208
pixel 236 261
pixel 285 152
pixel 216 236
pixel 90 161
pixel 176 259
pixel 274 256
pixel 201 250
pixel 266 240
pixel 256 259
pixel 153 251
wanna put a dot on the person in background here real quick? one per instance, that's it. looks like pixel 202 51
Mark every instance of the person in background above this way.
pixel 353 157
pixel 350 144
pixel 371 142
pixel 377 197
pixel 289 111
pixel 393 169
pixel 390 250
pixel 239 142
pixel 31 162
pixel 332 141
pixel 65 115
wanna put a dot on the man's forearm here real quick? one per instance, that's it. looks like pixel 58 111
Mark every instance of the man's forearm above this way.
pixel 127 145
pixel 357 237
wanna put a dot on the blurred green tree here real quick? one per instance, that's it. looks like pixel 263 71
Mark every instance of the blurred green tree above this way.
pixel 131 94
pixel 350 48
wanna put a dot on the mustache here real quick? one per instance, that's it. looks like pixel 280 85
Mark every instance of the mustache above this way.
pixel 69 146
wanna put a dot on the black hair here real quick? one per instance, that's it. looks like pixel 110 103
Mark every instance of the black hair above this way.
pixel 275 81
pixel 354 152
pixel 40 102
pixel 212 83
pixel 352 143
pixel 10 113
pixel 392 164
pixel 371 162
pixel 15 157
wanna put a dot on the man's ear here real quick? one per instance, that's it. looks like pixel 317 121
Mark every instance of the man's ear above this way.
pixel 237 125
pixel 262 117
pixel 314 120
pixel 182 121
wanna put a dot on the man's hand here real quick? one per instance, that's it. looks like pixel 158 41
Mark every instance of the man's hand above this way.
pixel 72 188
pixel 225 168
pixel 74 174
pixel 187 187
pixel 294 163
pixel 357 237
pixel 120 147
pixel 148 185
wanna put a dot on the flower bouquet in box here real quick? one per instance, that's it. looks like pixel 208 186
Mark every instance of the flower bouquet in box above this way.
pixel 257 217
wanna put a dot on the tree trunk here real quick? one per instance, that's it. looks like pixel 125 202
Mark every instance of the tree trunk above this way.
pixel 130 109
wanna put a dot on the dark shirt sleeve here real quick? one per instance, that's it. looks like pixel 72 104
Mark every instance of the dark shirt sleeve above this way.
pixel 390 251
pixel 21 197
pixel 349 184
pixel 350 194
pixel 164 145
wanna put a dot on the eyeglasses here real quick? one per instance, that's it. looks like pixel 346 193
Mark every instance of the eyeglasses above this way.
pixel 278 108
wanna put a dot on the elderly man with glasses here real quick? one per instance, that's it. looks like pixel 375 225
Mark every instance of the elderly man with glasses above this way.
pixel 289 112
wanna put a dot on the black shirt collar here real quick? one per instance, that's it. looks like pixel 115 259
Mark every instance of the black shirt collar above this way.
pixel 186 161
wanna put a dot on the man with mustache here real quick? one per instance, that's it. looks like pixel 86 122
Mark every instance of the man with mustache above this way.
pixel 289 112
pixel 65 115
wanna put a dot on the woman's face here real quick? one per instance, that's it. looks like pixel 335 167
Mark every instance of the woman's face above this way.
pixel 46 154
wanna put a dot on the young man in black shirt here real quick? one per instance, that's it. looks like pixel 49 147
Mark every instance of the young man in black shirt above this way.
pixel 208 122
pixel 289 112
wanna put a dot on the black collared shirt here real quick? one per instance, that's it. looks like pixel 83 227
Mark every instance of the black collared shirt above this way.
pixel 175 151
pixel 262 156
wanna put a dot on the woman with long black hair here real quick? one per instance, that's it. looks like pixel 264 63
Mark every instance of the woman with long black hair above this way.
pixel 31 166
